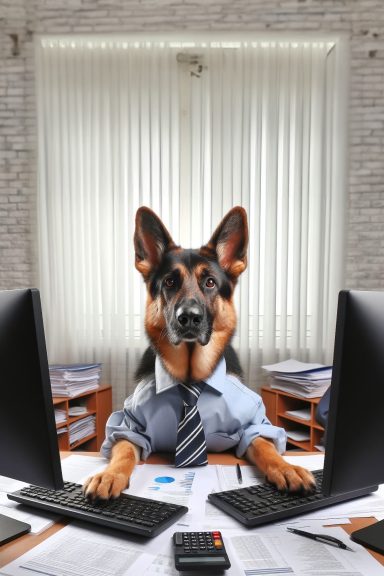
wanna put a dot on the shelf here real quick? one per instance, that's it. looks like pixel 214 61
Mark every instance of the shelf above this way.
pixel 61 425
pixel 277 403
pixel 98 403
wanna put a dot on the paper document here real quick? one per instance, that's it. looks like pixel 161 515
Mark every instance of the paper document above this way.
pixel 300 378
pixel 297 435
pixel 37 519
pixel 304 391
pixel 72 379
pixel 76 468
pixel 82 428
pixel 228 478
pixel 184 486
pixel 310 461
pixel 60 416
pixel 293 366
pixel 78 551
pixel 273 551
pixel 303 414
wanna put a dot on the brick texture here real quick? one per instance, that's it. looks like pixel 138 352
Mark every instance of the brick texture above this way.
pixel 362 20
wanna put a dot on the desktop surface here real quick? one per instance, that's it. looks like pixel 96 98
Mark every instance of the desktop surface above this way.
pixel 16 548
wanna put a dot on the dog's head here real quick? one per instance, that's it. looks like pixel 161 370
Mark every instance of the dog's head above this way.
pixel 190 291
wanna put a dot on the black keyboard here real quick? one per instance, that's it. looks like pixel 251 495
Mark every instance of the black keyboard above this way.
pixel 128 513
pixel 263 503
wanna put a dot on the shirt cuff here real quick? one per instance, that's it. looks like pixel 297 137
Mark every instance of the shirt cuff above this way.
pixel 137 439
pixel 118 428
pixel 278 435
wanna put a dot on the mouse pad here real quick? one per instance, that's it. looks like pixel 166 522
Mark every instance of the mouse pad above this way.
pixel 372 536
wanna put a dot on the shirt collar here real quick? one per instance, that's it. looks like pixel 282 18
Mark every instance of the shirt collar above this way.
pixel 164 380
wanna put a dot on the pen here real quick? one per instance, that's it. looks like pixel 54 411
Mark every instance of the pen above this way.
pixel 238 473
pixel 321 538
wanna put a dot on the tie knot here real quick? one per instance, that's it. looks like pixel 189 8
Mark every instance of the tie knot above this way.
pixel 190 393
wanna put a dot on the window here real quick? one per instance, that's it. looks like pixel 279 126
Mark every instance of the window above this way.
pixel 190 128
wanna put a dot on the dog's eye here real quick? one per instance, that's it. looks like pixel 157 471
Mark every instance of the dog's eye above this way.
pixel 169 282
pixel 210 283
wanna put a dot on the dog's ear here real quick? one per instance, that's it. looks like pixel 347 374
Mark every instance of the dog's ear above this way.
pixel 151 239
pixel 229 242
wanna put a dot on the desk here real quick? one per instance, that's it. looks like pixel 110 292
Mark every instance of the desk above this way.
pixel 17 547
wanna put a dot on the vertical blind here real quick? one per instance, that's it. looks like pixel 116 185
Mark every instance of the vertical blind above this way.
pixel 190 129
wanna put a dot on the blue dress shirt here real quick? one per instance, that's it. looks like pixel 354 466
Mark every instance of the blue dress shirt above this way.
pixel 232 415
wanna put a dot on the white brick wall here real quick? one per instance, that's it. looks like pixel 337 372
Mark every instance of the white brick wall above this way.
pixel 363 20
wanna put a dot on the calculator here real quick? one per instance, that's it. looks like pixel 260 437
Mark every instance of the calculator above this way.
pixel 198 550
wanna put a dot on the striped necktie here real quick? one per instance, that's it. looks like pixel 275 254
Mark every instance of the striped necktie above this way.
pixel 191 449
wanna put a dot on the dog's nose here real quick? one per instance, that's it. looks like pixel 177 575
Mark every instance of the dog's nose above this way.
pixel 189 315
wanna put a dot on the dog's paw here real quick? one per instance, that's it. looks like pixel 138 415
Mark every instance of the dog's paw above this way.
pixel 291 478
pixel 105 485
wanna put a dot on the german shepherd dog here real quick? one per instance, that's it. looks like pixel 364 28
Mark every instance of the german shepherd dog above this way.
pixel 190 319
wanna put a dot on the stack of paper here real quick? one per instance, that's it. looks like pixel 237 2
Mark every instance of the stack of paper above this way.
pixel 77 410
pixel 82 428
pixel 60 416
pixel 73 379
pixel 302 414
pixel 300 378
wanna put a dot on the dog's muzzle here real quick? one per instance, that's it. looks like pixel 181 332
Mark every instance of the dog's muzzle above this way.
pixel 190 323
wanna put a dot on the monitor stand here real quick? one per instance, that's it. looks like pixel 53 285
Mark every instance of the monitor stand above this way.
pixel 11 528
pixel 371 536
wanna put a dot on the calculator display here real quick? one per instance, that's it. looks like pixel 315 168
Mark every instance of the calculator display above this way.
pixel 203 559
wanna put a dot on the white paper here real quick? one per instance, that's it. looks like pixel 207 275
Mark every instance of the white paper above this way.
pixel 37 519
pixel 273 551
pixel 10 485
pixel 228 478
pixel 304 414
pixel 77 468
pixel 311 391
pixel 184 486
pixel 292 366
pixel 310 461
pixel 297 435
pixel 78 551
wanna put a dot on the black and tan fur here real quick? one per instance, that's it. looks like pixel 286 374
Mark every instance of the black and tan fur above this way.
pixel 190 320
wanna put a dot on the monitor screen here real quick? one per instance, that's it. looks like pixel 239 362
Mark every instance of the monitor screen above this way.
pixel 355 429
pixel 28 439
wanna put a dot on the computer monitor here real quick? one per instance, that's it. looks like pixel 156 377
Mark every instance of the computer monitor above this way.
pixel 355 429
pixel 28 440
